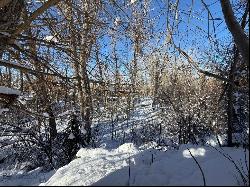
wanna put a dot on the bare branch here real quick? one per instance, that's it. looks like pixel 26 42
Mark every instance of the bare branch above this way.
pixel 195 65
pixel 203 176
pixel 4 3
pixel 34 15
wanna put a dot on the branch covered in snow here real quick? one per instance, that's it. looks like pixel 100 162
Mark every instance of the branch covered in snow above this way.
pixel 9 91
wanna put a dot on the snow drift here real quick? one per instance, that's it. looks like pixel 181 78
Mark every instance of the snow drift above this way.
pixel 128 165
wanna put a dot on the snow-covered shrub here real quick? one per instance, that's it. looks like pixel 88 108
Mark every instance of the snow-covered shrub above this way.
pixel 29 137
pixel 190 108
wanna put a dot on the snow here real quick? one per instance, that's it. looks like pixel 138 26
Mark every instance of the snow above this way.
pixel 139 119
pixel 212 140
pixel 71 136
pixel 51 38
pixel 195 152
pixel 91 166
pixel 117 21
pixel 102 167
pixel 31 178
pixel 15 64
pixel 5 33
pixel 132 1
pixel 113 160
pixel 45 114
pixel 3 110
pixel 9 91
pixel 239 137
pixel 83 131
pixel 127 148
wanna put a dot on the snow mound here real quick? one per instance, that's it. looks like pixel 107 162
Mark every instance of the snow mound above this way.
pixel 91 166
pixel 127 148
pixel 83 153
pixel 126 166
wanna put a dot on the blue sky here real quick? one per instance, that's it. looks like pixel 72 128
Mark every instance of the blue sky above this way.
pixel 192 30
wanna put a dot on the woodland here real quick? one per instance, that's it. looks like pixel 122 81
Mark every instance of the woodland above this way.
pixel 84 74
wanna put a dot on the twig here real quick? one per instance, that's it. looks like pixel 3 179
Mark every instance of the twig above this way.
pixel 241 172
pixel 203 176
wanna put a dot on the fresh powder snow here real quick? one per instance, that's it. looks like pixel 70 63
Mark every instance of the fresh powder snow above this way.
pixel 128 165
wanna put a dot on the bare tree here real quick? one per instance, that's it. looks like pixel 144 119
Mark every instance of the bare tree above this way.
pixel 239 36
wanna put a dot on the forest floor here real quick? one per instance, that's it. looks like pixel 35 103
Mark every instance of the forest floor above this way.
pixel 129 166
pixel 118 162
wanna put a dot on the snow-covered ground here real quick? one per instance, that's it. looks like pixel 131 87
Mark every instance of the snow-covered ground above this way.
pixel 118 162
pixel 138 120
pixel 128 165
pixel 18 178
pixel 150 167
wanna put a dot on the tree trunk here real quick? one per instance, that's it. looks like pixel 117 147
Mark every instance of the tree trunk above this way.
pixel 239 36
pixel 52 124
pixel 76 64
pixel 10 12
pixel 230 100
pixel 156 82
